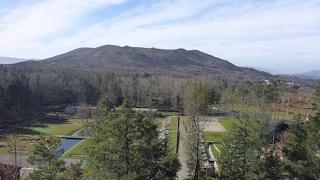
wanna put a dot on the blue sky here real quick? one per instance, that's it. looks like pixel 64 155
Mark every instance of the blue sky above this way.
pixel 281 35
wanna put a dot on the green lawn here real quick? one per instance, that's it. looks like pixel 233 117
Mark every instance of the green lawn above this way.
pixel 216 137
pixel 173 133
pixel 45 129
pixel 227 123
pixel 66 130
pixel 167 113
pixel 52 129
pixel 51 124
pixel 187 122
pixel 215 152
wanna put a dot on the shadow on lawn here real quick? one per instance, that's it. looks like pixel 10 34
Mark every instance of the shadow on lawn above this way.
pixel 42 121
pixel 52 119
pixel 24 130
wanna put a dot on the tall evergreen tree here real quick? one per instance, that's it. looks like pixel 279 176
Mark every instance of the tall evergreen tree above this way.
pixel 47 159
pixel 248 151
pixel 303 149
pixel 128 144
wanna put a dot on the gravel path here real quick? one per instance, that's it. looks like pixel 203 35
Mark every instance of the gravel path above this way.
pixel 165 127
pixel 183 156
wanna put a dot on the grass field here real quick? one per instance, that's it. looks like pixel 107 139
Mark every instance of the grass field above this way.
pixel 52 129
pixel 66 130
pixel 226 123
pixel 173 133
pixel 51 124
pixel 45 129
pixel 167 113
pixel 24 144
pixel 214 151
pixel 277 112
pixel 188 122
pixel 216 137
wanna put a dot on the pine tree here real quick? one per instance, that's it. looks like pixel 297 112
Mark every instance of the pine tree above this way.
pixel 303 149
pixel 47 159
pixel 248 152
pixel 128 145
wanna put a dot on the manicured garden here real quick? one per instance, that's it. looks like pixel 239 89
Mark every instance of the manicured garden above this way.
pixel 47 124
pixel 22 144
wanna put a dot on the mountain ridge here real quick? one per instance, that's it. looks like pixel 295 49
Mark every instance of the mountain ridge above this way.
pixel 126 59
pixel 310 74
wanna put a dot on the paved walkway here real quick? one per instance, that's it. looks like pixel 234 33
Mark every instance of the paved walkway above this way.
pixel 211 123
pixel 183 156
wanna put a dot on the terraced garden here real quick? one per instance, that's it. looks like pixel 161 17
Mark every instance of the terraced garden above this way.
pixel 22 137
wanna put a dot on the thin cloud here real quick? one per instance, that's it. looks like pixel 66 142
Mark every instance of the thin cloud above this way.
pixel 31 22
pixel 233 30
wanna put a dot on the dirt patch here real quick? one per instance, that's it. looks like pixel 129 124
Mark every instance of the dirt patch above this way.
pixel 21 147
pixel 212 124
pixel 77 155
pixel 20 151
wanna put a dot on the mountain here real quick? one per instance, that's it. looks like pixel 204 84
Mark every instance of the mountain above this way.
pixel 177 62
pixel 10 60
pixel 267 69
pixel 310 74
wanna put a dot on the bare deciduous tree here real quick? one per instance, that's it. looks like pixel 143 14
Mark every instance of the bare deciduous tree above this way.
pixel 83 112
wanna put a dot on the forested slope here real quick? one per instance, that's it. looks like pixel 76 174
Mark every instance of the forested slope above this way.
pixel 127 60
pixel 146 76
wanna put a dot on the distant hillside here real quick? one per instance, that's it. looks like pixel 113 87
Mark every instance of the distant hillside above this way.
pixel 178 62
pixel 10 60
pixel 310 74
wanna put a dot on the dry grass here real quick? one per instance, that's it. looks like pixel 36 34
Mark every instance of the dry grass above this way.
pixel 24 144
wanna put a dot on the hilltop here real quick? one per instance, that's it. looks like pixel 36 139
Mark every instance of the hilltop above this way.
pixel 127 60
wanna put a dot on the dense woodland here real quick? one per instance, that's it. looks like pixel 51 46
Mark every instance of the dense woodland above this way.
pixel 27 91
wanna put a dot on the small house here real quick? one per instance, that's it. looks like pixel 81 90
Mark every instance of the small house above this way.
pixel 70 110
